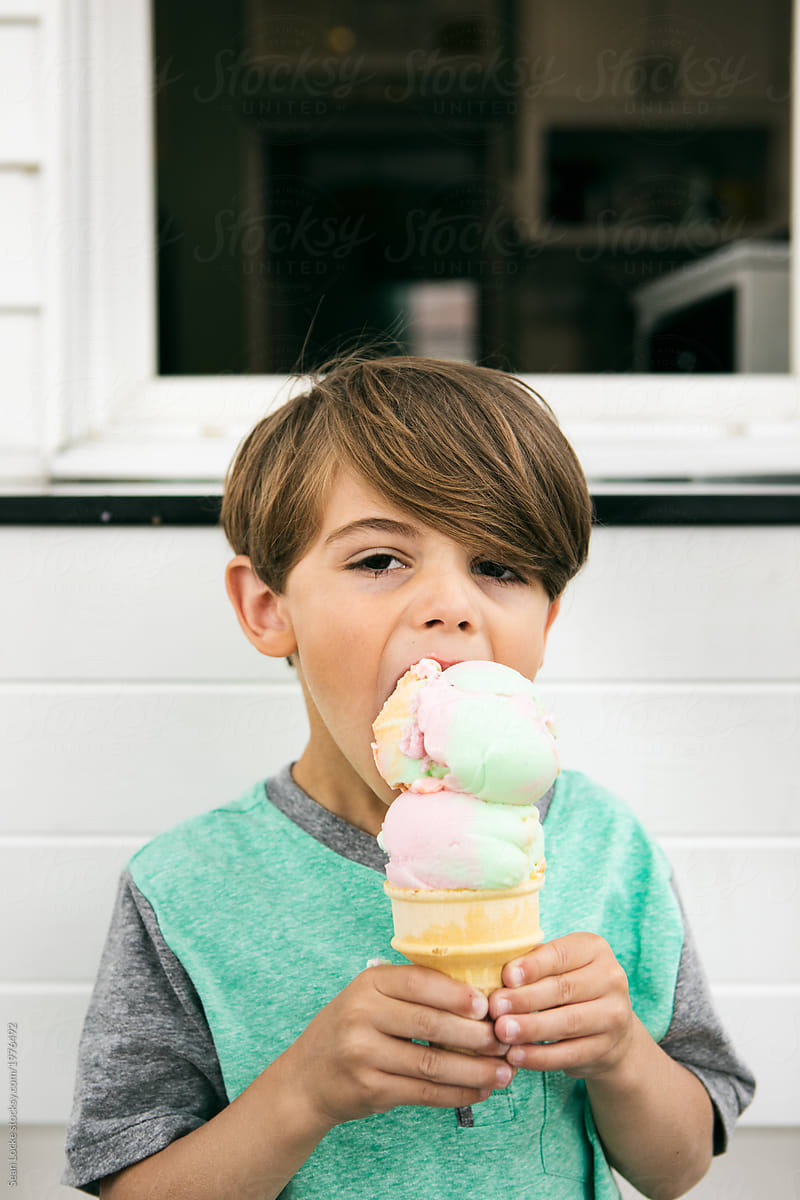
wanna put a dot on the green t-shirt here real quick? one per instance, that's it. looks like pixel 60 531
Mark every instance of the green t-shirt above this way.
pixel 269 914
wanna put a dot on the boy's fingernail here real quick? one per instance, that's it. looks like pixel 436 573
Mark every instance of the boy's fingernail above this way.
pixel 486 1093
pixel 502 1006
pixel 504 1075
pixel 480 1006
pixel 514 976
pixel 511 1028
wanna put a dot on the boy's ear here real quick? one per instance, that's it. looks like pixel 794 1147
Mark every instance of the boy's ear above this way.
pixel 261 612
pixel 552 613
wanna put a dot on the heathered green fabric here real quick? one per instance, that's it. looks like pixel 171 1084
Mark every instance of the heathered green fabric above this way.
pixel 271 925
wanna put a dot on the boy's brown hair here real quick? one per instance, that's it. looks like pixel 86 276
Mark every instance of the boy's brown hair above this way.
pixel 470 451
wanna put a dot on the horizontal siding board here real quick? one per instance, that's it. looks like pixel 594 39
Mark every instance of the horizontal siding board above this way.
pixel 766 1033
pixel 123 758
pixel 742 906
pixel 20 415
pixel 20 238
pixel 61 894
pixel 50 1024
pixel 652 605
pixel 20 91
pixel 133 604
pixel 22 10
pixel 49 1027
pixel 59 899
pixel 130 699
pixel 693 759
pixel 680 604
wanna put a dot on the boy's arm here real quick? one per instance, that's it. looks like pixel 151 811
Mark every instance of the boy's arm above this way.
pixel 249 1150
pixel 654 1118
pixel 354 1059
pixel 568 1009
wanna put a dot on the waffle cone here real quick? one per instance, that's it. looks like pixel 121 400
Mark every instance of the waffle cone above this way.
pixel 468 934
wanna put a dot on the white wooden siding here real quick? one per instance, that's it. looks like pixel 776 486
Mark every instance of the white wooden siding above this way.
pixel 666 606
pixel 654 741
pixel 20 112
pixel 19 354
pixel 129 699
pixel 20 240
pixel 61 891
pixel 24 232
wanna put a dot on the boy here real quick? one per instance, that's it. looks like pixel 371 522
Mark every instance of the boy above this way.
pixel 235 1045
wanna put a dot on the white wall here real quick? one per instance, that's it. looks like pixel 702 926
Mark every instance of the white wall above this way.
pixel 129 699
pixel 22 71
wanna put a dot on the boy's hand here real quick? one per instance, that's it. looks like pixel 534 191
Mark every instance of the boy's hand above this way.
pixel 357 1058
pixel 572 993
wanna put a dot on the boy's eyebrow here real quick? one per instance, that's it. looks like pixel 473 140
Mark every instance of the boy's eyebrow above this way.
pixel 375 524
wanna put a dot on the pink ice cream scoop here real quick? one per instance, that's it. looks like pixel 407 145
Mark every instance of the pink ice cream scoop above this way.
pixel 474 750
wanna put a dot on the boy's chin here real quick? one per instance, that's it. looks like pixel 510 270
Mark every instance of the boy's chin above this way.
pixel 385 794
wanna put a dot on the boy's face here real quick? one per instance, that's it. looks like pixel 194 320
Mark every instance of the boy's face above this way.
pixel 376 591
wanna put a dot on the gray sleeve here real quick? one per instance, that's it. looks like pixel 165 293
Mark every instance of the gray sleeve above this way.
pixel 697 1040
pixel 148 1072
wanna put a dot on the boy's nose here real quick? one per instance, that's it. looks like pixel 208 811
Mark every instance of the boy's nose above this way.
pixel 446 602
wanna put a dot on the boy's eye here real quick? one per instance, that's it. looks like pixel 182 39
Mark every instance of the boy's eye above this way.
pixel 377 564
pixel 497 571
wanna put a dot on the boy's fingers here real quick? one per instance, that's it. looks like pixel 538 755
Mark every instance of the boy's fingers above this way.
pixel 554 991
pixel 571 1055
pixel 555 1025
pixel 400 1019
pixel 421 985
pixel 434 1065
pixel 553 958
pixel 435 1095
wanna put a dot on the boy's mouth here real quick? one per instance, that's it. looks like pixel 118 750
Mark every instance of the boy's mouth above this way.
pixel 444 663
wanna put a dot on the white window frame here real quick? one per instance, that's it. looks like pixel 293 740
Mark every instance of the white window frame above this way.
pixel 109 416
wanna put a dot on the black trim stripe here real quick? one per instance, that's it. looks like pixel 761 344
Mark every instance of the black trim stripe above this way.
pixel 611 509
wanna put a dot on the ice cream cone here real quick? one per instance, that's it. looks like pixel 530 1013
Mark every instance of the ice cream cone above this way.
pixel 468 934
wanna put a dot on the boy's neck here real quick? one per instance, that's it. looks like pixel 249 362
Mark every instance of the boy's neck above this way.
pixel 342 791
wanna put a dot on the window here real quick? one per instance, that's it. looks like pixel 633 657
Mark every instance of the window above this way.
pixel 517 182
pixel 596 198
